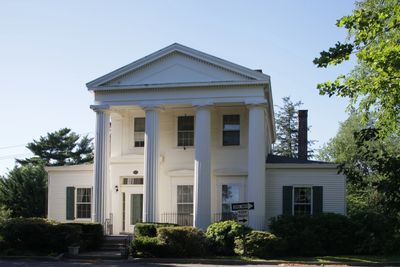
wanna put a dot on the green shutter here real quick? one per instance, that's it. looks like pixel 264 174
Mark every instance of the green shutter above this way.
pixel 70 203
pixel 287 203
pixel 317 200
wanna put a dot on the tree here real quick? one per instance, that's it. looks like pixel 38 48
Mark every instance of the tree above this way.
pixel 369 164
pixel 23 192
pixel 62 147
pixel 286 120
pixel 374 84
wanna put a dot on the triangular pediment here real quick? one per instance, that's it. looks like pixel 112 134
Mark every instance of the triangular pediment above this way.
pixel 176 64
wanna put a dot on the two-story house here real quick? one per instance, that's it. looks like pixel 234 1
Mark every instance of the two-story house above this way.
pixel 180 135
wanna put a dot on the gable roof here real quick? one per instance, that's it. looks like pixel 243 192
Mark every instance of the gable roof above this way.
pixel 251 76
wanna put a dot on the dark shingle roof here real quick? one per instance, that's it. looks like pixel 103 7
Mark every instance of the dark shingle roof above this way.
pixel 282 159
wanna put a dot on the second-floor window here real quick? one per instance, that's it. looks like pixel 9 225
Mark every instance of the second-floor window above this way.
pixel 139 126
pixel 185 131
pixel 231 130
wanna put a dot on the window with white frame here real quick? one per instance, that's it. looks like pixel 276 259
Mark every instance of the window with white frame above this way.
pixel 132 180
pixel 139 127
pixel 302 201
pixel 186 131
pixel 83 203
pixel 184 204
pixel 230 194
pixel 231 130
pixel 184 199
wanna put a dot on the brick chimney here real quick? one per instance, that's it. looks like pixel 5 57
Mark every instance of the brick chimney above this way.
pixel 303 140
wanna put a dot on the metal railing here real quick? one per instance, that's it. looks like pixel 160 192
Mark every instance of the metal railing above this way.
pixel 184 219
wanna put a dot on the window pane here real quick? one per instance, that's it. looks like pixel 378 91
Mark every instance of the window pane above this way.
pixel 186 131
pixel 139 124
pixel 302 195
pixel 136 208
pixel 186 123
pixel 83 195
pixel 230 193
pixel 231 138
pixel 139 132
pixel 83 211
pixel 231 130
pixel 300 209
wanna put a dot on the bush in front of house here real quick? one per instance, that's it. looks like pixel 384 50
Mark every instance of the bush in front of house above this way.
pixel 38 235
pixel 146 246
pixel 325 234
pixel 221 236
pixel 259 244
pixel 150 229
pixel 375 233
pixel 183 241
pixel 176 241
pixel 91 235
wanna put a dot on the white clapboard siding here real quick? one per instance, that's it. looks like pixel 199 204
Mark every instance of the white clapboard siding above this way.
pixel 334 190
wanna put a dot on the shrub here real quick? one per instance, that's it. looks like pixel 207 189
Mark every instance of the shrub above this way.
pixel 375 234
pixel 150 229
pixel 147 247
pixel 222 236
pixel 259 244
pixel 183 241
pixel 316 235
pixel 92 235
pixel 38 234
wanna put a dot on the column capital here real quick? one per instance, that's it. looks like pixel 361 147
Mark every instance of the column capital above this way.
pixel 152 108
pixel 256 104
pixel 202 104
pixel 99 108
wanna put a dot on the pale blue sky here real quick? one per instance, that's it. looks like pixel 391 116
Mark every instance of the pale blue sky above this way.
pixel 50 49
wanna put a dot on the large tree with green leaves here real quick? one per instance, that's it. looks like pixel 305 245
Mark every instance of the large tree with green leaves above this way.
pixel 287 134
pixel 23 191
pixel 62 147
pixel 369 164
pixel 374 84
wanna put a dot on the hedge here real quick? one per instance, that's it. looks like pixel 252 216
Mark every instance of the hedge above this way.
pixel 183 241
pixel 325 234
pixel 150 229
pixel 259 244
pixel 222 236
pixel 41 235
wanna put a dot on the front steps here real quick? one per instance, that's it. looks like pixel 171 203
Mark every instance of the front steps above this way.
pixel 112 248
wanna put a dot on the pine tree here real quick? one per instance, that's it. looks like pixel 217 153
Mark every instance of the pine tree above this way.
pixel 62 147
pixel 286 120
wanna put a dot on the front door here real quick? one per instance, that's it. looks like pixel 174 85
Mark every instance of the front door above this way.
pixel 132 210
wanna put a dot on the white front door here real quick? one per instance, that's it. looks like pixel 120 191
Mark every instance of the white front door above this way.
pixel 132 203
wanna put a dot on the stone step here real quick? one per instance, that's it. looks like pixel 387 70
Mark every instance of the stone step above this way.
pixel 111 248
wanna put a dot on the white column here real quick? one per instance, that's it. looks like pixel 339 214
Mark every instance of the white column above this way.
pixel 256 165
pixel 151 156
pixel 202 169
pixel 100 163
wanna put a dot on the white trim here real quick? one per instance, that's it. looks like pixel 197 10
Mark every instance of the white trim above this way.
pixel 82 167
pixel 232 67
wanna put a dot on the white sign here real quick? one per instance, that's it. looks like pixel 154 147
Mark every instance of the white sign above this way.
pixel 242 216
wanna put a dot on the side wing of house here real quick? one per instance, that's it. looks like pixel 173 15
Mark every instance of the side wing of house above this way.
pixel 305 188
pixel 70 190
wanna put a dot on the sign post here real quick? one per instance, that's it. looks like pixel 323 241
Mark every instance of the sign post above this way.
pixel 242 211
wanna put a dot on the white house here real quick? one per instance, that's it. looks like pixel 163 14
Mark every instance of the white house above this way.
pixel 180 135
